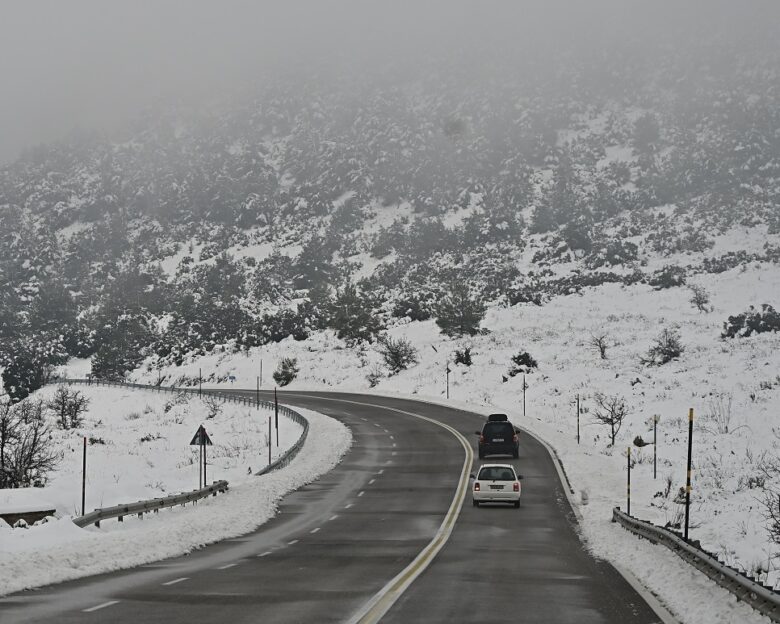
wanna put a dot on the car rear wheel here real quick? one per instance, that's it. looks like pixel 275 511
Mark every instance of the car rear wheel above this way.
pixel 516 453
pixel 475 503
pixel 481 455
pixel 517 504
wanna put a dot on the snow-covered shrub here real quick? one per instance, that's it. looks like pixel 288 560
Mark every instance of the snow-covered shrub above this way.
pixel 665 348
pixel 463 356
pixel 752 321
pixel 375 373
pixel 700 298
pixel 522 362
pixel 213 406
pixel 397 354
pixel 600 342
pixel 719 412
pixel 286 371
pixel 669 276
pixel 415 307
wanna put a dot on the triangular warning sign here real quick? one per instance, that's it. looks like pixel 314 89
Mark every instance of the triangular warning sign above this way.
pixel 201 437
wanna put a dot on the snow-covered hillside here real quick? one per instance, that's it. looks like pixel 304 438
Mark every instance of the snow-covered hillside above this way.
pixel 727 514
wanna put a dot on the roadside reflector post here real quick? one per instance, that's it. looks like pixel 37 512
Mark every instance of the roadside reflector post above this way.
pixel 276 417
pixel 269 440
pixel 84 477
pixel 688 473
pixel 578 418
pixel 628 481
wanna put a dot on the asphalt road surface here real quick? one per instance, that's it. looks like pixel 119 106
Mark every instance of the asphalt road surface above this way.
pixel 336 543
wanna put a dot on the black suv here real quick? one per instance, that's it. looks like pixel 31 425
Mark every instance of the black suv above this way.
pixel 498 437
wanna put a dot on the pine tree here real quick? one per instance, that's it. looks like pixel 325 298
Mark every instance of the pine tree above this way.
pixel 459 313
pixel 354 315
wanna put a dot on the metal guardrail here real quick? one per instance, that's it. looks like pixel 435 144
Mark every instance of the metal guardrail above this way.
pixel 179 499
pixel 763 599
pixel 291 452
pixel 231 397
pixel 145 506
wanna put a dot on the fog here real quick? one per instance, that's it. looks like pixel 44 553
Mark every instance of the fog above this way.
pixel 93 64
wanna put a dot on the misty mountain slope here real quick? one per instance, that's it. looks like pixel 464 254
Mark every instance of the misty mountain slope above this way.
pixel 256 219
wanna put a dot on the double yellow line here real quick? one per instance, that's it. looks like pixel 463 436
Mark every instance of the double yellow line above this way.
pixel 381 602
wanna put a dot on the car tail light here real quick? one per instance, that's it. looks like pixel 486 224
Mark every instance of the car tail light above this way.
pixel 481 439
pixel 515 487
pixel 476 486
pixel 514 438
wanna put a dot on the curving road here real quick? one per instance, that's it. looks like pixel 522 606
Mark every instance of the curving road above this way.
pixel 336 543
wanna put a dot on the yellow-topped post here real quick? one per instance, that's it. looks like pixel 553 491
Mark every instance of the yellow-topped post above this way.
pixel 688 474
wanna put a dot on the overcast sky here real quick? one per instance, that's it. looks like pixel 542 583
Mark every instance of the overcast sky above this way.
pixel 94 63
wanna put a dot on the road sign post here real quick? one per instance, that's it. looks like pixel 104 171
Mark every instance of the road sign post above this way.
pixel 202 439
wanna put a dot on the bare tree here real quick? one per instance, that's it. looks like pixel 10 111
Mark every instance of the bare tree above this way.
pixel 213 406
pixel 600 342
pixel 612 411
pixel 9 428
pixel 31 455
pixel 700 298
pixel 68 407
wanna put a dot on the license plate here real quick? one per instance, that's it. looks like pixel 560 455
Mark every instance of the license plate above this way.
pixel 498 439
pixel 496 487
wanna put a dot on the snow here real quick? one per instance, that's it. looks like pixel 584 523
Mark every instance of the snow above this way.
pixel 58 550
pixel 139 446
pixel 24 499
pixel 726 512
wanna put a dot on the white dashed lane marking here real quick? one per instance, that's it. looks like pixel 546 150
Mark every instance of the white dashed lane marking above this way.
pixel 178 580
pixel 265 554
pixel 348 505
pixel 314 530
pixel 332 518
pixel 292 542
pixel 225 567
pixel 360 493
pixel 100 606
pixel 372 480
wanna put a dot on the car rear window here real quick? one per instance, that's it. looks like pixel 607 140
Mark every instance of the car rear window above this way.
pixel 496 473
pixel 498 429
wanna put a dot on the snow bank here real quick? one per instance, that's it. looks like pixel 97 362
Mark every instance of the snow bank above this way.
pixel 58 551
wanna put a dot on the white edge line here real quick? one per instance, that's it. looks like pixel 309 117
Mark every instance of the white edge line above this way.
pixel 100 606
pixel 636 583
pixel 650 598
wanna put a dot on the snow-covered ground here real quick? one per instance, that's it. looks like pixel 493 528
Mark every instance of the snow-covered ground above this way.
pixel 726 514
pixel 144 452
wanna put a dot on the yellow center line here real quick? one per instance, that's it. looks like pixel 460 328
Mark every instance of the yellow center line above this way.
pixel 381 602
